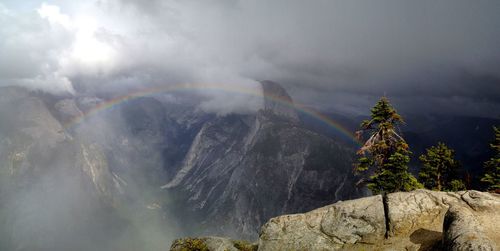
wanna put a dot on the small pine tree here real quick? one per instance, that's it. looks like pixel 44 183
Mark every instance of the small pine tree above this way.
pixel 440 169
pixel 385 153
pixel 492 167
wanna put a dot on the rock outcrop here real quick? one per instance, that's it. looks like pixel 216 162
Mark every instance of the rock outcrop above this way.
pixel 413 220
pixel 326 228
pixel 462 231
pixel 278 102
pixel 418 220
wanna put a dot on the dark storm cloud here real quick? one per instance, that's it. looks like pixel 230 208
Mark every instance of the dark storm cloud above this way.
pixel 442 54
pixel 409 50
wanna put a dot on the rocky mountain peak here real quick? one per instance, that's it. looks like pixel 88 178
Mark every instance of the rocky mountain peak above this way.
pixel 278 101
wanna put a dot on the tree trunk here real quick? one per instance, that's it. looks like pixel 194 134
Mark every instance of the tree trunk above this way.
pixel 439 181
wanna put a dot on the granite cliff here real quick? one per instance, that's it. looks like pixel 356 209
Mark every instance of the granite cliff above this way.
pixel 242 170
pixel 50 181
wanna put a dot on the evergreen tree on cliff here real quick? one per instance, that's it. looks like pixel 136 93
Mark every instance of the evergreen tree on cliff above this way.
pixel 492 166
pixel 385 155
pixel 440 169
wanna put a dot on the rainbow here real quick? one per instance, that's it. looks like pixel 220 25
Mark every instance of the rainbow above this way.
pixel 175 88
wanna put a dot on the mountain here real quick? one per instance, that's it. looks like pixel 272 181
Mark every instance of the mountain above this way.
pixel 56 191
pixel 71 181
pixel 150 140
pixel 243 169
pixel 224 167
pixel 77 173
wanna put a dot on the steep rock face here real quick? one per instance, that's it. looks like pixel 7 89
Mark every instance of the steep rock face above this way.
pixel 66 110
pixel 146 134
pixel 142 144
pixel 401 221
pixel 278 102
pixel 31 138
pixel 55 190
pixel 143 141
pixel 243 169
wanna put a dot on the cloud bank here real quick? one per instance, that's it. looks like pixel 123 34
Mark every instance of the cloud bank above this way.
pixel 331 54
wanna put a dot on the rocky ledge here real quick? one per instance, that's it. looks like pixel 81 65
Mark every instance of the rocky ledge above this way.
pixel 418 220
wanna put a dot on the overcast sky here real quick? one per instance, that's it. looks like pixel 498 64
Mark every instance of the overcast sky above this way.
pixel 428 56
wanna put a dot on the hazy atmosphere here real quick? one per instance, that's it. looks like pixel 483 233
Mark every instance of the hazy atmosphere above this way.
pixel 334 54
pixel 127 124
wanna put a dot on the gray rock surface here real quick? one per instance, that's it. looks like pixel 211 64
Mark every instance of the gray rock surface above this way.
pixel 463 232
pixel 278 101
pixel 422 212
pixel 67 109
pixel 415 221
pixel 327 228
pixel 421 209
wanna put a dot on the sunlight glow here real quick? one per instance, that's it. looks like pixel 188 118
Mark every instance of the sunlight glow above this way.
pixel 53 14
pixel 88 49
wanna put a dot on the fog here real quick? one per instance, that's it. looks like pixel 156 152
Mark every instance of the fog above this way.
pixel 92 186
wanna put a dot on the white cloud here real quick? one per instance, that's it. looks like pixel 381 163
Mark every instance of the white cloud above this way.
pixel 31 48
pixel 54 15
pixel 320 47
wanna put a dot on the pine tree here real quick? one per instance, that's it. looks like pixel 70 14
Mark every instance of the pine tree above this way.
pixel 385 154
pixel 492 166
pixel 440 169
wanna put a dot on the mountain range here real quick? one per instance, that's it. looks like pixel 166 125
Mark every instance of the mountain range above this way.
pixel 141 173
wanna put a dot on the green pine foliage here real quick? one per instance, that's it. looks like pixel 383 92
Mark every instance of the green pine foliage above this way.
pixel 492 167
pixel 385 155
pixel 440 169
pixel 456 185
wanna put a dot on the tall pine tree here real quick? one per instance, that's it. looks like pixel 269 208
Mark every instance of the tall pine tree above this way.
pixel 385 154
pixel 440 170
pixel 492 167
